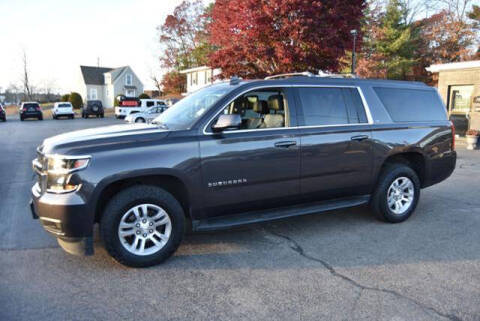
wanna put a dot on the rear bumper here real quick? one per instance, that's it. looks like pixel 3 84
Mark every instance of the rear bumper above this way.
pixel 31 114
pixel 441 168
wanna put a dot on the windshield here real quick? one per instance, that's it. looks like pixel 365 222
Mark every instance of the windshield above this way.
pixel 187 111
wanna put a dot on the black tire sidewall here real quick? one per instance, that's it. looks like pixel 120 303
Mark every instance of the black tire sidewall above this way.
pixel 379 200
pixel 124 201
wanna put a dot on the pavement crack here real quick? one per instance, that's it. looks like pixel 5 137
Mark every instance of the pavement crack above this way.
pixel 295 246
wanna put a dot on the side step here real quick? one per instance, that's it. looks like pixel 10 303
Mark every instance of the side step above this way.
pixel 228 221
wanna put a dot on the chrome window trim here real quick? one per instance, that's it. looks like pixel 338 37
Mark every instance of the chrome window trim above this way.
pixel 366 108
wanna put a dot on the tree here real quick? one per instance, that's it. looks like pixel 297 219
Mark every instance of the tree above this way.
pixel 388 51
pixel 182 36
pixel 65 98
pixel 173 82
pixel 143 96
pixel 256 38
pixel 76 100
pixel 27 88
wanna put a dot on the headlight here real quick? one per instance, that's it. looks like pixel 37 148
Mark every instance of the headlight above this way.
pixel 60 170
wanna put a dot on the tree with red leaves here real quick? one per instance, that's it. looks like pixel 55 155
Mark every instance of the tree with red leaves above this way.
pixel 256 38
pixel 173 82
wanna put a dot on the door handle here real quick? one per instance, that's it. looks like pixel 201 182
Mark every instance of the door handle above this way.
pixel 285 144
pixel 359 137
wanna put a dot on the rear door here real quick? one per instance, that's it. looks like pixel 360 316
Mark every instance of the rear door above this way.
pixel 258 165
pixel 336 145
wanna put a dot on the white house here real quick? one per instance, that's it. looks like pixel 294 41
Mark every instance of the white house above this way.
pixel 199 77
pixel 102 83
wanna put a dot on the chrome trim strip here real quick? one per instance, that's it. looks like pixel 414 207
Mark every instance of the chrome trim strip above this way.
pixel 364 102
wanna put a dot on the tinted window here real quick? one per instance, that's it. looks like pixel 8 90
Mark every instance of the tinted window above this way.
pixel 64 105
pixel 30 105
pixel 408 105
pixel 150 103
pixel 323 106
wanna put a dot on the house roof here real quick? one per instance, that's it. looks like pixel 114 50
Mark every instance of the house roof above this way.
pixel 454 66
pixel 94 75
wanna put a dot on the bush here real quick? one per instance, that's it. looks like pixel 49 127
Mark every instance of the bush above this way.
pixel 143 96
pixel 65 98
pixel 76 100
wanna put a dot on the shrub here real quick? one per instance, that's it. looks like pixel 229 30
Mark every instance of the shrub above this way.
pixel 65 98
pixel 143 96
pixel 76 100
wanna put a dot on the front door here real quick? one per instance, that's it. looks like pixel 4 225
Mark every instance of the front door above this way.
pixel 256 166
pixel 336 146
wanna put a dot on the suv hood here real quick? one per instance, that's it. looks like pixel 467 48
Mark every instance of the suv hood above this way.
pixel 86 140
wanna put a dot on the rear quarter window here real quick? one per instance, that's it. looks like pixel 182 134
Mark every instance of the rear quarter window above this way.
pixel 411 105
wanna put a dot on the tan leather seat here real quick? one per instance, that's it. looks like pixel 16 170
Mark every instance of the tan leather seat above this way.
pixel 261 108
pixel 275 102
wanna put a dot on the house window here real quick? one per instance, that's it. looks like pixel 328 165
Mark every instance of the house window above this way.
pixel 93 94
pixel 130 93
pixel 460 98
pixel 128 79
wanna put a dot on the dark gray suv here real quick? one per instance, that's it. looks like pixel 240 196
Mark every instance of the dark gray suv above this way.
pixel 243 152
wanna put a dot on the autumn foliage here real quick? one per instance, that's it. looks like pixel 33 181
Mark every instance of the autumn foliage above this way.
pixel 173 82
pixel 255 38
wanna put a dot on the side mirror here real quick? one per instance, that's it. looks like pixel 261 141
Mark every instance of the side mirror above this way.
pixel 227 122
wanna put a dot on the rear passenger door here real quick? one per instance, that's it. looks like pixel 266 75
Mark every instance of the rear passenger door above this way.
pixel 336 147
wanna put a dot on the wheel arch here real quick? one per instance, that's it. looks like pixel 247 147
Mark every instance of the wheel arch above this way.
pixel 170 181
pixel 415 159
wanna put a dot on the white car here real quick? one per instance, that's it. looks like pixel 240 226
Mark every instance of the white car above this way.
pixel 146 116
pixel 130 106
pixel 62 109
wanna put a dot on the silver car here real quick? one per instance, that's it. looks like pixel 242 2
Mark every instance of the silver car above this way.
pixel 145 116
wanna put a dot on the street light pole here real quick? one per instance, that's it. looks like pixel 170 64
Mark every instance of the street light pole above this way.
pixel 354 62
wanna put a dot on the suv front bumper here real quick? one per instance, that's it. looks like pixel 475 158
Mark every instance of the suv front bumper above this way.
pixel 64 216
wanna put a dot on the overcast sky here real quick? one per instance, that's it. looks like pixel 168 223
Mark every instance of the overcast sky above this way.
pixel 60 35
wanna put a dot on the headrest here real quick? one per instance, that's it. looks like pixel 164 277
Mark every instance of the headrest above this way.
pixel 261 107
pixel 275 102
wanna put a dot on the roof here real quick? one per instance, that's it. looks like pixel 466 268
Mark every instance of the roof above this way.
pixel 94 75
pixel 303 80
pixel 454 66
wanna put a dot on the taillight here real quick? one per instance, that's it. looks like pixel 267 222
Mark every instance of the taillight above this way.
pixel 453 134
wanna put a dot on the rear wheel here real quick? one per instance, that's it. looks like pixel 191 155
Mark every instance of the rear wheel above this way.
pixel 142 226
pixel 102 115
pixel 140 120
pixel 397 193
pixel 40 117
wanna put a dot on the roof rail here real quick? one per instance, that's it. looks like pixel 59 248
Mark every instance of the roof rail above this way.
pixel 291 74
pixel 321 73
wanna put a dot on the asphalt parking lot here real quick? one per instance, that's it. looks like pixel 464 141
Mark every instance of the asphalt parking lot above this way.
pixel 340 265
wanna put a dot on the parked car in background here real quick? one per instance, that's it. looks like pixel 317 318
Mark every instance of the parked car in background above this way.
pixel 63 109
pixel 145 116
pixel 30 110
pixel 171 101
pixel 3 113
pixel 93 107
pixel 244 152
pixel 131 105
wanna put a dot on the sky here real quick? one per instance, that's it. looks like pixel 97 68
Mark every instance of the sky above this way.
pixel 60 35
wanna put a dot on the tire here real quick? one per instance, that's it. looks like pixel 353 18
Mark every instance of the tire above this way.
pixel 102 115
pixel 72 116
pixel 139 120
pixel 21 118
pixel 119 208
pixel 397 212
pixel 40 117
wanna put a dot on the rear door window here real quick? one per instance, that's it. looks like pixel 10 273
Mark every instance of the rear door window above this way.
pixel 150 103
pixel 411 105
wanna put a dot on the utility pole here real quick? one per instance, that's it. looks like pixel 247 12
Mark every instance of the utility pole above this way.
pixel 354 62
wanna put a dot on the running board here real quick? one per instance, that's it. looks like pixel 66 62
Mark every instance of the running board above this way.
pixel 228 221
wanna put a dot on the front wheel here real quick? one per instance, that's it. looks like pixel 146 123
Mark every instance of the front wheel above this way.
pixel 139 120
pixel 142 226
pixel 397 193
